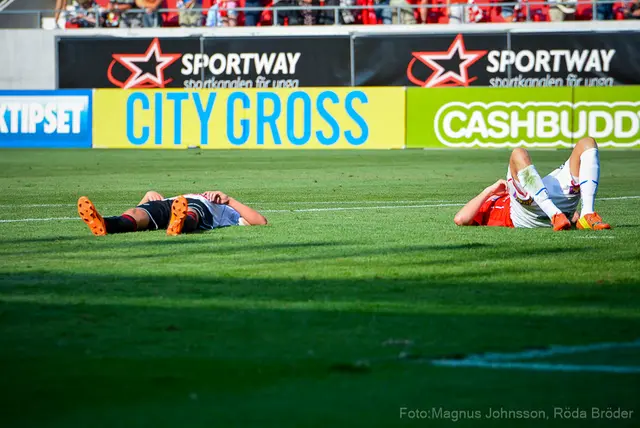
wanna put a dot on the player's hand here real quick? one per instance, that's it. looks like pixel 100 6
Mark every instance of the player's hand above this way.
pixel 153 196
pixel 216 197
pixel 499 188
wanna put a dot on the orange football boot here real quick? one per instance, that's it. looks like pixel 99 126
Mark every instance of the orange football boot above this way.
pixel 592 221
pixel 560 222
pixel 89 214
pixel 178 215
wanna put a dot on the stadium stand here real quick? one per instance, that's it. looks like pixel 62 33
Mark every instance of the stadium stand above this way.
pixel 363 12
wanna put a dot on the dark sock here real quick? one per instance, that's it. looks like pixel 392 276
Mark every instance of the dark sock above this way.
pixel 121 224
pixel 190 223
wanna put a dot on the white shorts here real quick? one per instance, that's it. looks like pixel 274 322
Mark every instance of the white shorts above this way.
pixel 563 190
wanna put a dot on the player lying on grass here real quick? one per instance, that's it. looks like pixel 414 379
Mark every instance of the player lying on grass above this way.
pixel 526 200
pixel 180 214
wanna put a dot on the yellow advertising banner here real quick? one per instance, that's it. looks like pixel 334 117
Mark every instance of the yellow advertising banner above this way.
pixel 299 118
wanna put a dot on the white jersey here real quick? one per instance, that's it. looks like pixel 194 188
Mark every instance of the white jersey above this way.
pixel 563 191
pixel 212 215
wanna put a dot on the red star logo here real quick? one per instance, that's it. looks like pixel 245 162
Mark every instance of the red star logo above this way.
pixel 138 78
pixel 440 76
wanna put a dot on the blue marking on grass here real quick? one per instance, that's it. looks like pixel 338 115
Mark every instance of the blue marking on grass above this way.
pixel 513 360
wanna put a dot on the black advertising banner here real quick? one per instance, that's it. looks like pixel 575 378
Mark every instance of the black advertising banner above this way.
pixel 427 60
pixel 280 62
pixel 572 59
pixel 118 62
pixel 499 60
pixel 229 62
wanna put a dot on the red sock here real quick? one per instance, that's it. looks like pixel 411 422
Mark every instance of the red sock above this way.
pixel 132 220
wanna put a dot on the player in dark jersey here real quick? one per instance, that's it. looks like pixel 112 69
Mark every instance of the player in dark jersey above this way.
pixel 179 214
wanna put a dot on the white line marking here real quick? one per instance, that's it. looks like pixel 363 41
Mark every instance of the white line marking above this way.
pixel 249 203
pixel 36 205
pixel 538 366
pixel 355 202
pixel 299 210
pixel 304 210
pixel 293 203
pixel 379 207
pixel 618 198
pixel 21 220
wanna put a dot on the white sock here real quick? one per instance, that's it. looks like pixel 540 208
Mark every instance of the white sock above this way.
pixel 531 182
pixel 589 177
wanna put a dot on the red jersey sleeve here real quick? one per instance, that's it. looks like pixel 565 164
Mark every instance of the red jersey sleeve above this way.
pixel 494 212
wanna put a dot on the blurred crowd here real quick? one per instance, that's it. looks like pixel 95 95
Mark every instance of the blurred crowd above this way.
pixel 231 13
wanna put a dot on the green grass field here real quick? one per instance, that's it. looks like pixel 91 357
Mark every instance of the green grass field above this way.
pixel 301 323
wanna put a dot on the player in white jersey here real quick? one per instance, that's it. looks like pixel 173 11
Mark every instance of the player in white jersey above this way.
pixel 525 199
pixel 179 214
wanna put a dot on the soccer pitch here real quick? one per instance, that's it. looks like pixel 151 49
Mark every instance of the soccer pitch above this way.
pixel 333 315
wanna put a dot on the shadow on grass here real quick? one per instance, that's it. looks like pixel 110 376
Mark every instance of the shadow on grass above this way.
pixel 88 350
pixel 152 247
pixel 86 248
pixel 42 240
pixel 439 291
pixel 91 349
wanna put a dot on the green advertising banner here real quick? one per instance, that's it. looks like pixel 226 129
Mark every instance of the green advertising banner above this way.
pixel 611 115
pixel 522 117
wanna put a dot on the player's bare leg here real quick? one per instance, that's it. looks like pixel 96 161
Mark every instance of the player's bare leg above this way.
pixel 140 217
pixel 526 176
pixel 585 170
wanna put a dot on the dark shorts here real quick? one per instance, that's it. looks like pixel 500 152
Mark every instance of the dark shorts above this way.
pixel 160 213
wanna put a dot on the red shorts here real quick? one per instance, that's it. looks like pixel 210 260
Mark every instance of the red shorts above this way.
pixel 494 212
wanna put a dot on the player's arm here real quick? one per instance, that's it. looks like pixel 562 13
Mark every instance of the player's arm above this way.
pixel 58 11
pixel 468 212
pixel 151 196
pixel 251 216
pixel 423 11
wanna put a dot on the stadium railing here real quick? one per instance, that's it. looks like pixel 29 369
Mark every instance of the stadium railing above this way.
pixel 525 11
